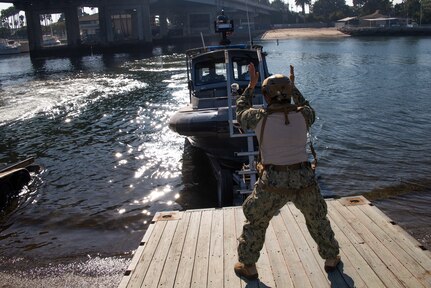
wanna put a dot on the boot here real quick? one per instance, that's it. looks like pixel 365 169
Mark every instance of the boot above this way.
pixel 331 263
pixel 249 272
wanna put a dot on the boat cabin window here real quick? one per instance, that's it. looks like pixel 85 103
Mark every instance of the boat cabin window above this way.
pixel 210 72
pixel 240 68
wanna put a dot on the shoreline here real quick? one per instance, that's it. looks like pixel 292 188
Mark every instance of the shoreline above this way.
pixel 287 33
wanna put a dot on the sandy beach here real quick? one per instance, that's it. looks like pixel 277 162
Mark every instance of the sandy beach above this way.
pixel 287 33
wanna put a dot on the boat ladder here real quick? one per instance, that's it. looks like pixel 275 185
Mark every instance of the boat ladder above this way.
pixel 247 176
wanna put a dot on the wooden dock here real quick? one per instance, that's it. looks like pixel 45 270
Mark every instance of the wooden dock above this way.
pixel 197 248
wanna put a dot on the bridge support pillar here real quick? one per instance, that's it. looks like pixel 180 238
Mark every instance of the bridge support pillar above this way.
pixel 145 22
pixel 103 25
pixel 34 30
pixel 72 27
pixel 163 24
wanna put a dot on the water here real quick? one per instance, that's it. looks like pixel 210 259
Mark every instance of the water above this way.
pixel 98 126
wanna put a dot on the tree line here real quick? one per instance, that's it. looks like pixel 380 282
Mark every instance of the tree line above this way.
pixel 333 10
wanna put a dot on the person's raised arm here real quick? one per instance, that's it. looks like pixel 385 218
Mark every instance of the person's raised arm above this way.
pixel 254 76
pixel 244 102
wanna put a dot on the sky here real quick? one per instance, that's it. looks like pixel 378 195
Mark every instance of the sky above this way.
pixel 4 5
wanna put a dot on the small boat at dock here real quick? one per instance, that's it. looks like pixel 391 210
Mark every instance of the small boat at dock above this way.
pixel 50 41
pixel 211 72
pixel 8 47
pixel 205 120
pixel 216 76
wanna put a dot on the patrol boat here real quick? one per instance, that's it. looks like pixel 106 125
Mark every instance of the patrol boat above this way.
pixel 216 76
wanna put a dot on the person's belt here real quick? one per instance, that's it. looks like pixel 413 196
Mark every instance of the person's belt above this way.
pixel 281 168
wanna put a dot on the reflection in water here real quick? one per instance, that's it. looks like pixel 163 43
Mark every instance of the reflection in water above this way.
pixel 200 187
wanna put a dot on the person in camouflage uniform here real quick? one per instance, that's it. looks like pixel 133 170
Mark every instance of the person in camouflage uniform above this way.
pixel 284 172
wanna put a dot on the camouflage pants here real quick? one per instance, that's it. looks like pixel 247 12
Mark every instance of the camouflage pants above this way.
pixel 271 192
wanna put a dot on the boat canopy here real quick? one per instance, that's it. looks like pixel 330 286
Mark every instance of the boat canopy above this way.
pixel 208 70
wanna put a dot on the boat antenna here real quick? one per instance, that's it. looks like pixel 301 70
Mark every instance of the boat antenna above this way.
pixel 248 23
pixel 203 41
pixel 223 25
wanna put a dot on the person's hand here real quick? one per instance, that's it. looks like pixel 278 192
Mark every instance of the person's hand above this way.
pixel 254 76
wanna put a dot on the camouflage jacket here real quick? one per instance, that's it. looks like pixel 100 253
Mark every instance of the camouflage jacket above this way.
pixel 248 117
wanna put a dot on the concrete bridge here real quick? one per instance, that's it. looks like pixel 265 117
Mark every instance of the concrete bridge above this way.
pixel 138 23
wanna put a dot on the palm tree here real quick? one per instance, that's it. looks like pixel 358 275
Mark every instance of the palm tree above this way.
pixel 302 3
pixel 8 13
pixel 21 20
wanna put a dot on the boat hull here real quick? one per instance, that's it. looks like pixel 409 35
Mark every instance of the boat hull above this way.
pixel 9 51
pixel 208 130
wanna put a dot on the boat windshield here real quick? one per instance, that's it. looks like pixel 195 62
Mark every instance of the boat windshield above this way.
pixel 210 72
pixel 240 67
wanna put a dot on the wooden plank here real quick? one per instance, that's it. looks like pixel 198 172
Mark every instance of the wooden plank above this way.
pixel 346 268
pixel 399 270
pixel 230 248
pixel 200 269
pixel 293 263
pixel 136 257
pixel 266 278
pixel 278 264
pixel 311 266
pixel 141 269
pixel 354 264
pixel 156 266
pixel 349 274
pixel 239 222
pixel 215 268
pixel 365 249
pixel 185 268
pixel 397 251
pixel 167 278
pixel 399 235
pixel 335 278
